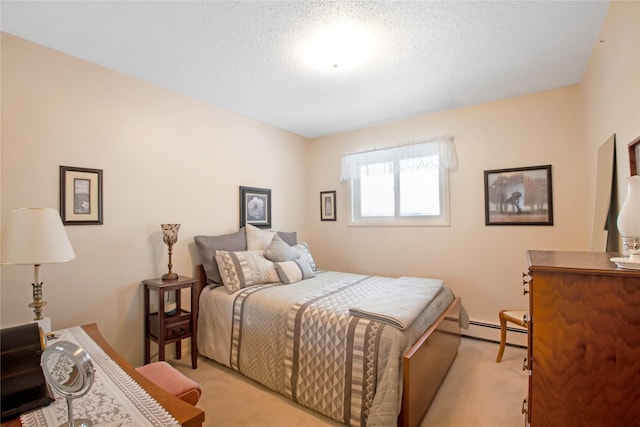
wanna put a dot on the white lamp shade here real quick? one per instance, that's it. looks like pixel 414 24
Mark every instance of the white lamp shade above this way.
pixel 35 236
pixel 629 216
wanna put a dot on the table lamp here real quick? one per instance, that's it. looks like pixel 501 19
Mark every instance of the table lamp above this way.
pixel 35 236
pixel 170 237
pixel 629 225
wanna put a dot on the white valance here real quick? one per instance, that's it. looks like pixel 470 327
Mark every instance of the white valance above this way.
pixel 352 163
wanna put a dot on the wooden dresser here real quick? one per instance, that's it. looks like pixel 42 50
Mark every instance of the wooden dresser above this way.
pixel 584 341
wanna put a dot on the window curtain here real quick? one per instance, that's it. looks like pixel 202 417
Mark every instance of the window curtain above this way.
pixel 443 147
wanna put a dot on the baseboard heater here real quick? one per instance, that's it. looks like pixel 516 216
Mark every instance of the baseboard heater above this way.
pixel 490 332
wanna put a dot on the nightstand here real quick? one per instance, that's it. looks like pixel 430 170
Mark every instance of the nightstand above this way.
pixel 164 329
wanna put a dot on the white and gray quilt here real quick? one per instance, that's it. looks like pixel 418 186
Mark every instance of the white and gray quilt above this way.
pixel 300 340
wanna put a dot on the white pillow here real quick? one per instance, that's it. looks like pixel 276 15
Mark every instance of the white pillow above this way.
pixel 247 268
pixel 305 254
pixel 257 239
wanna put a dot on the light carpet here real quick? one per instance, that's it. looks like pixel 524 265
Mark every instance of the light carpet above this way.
pixel 477 392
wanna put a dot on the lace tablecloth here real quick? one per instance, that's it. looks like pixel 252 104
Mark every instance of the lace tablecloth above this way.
pixel 114 399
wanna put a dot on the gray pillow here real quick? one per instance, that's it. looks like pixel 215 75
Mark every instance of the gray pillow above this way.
pixel 208 245
pixel 280 251
pixel 290 237
pixel 293 271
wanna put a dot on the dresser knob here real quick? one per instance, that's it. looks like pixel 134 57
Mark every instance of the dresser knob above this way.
pixel 524 365
pixel 524 406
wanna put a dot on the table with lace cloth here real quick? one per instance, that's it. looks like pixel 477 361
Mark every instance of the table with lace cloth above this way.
pixel 115 398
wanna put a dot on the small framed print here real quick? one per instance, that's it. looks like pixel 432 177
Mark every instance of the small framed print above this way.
pixel 255 207
pixel 327 206
pixel 518 196
pixel 80 196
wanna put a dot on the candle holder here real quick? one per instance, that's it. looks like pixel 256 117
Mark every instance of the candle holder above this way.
pixel 170 237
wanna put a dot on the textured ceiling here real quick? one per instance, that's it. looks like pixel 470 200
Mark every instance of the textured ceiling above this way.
pixel 248 56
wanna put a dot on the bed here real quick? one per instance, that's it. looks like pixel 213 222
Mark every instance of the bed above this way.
pixel 303 333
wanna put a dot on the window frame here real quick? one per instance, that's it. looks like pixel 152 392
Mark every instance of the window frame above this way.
pixel 442 220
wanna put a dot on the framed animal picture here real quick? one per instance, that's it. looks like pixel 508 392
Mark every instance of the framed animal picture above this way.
pixel 518 196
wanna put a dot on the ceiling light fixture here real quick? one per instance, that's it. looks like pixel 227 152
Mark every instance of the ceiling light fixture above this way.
pixel 338 48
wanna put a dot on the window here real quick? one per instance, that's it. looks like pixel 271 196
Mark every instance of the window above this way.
pixel 403 185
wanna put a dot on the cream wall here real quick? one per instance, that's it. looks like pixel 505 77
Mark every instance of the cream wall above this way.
pixel 169 158
pixel 166 158
pixel 563 127
pixel 483 264
pixel 611 87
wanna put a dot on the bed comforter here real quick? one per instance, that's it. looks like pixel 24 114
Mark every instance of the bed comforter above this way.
pixel 301 341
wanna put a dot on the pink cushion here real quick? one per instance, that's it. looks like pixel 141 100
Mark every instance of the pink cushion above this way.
pixel 172 381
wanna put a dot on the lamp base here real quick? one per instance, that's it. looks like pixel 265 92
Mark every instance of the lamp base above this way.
pixel 44 324
pixel 635 257
pixel 631 245
pixel 170 276
pixel 633 261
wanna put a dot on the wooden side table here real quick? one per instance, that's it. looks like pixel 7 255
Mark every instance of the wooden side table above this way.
pixel 164 329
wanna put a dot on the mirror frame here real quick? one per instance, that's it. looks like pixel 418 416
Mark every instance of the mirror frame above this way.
pixel 80 361
pixel 634 156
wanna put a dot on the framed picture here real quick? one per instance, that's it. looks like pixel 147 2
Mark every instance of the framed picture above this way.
pixel 327 206
pixel 518 196
pixel 634 156
pixel 80 196
pixel 255 207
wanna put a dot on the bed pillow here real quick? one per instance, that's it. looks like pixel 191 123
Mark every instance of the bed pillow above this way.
pixel 305 255
pixel 246 268
pixel 208 245
pixel 293 271
pixel 290 237
pixel 257 239
pixel 280 251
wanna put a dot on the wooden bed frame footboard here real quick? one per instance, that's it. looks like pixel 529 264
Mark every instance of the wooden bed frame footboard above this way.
pixel 425 364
